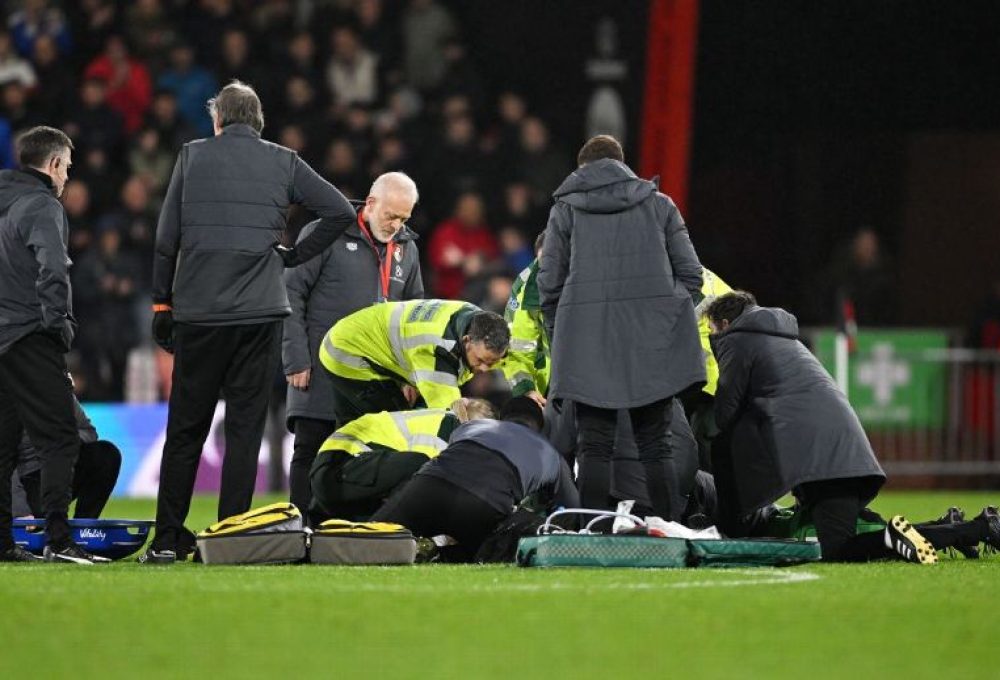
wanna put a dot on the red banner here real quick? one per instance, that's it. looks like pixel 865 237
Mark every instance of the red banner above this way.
pixel 668 95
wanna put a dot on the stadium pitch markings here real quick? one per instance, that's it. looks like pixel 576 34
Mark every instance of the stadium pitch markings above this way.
pixel 621 580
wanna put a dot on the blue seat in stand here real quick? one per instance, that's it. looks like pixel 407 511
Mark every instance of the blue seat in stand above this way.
pixel 111 538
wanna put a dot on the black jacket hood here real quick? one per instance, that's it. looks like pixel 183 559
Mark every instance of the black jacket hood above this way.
pixel 766 320
pixel 604 186
pixel 15 184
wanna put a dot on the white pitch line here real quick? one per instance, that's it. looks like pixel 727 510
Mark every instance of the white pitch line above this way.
pixel 746 577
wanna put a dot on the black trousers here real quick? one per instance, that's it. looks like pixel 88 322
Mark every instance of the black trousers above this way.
pixel 354 487
pixel 596 439
pixel 94 479
pixel 700 410
pixel 355 398
pixel 36 396
pixel 430 506
pixel 237 363
pixel 310 433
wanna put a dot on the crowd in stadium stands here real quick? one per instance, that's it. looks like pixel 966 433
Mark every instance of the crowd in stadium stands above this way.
pixel 356 87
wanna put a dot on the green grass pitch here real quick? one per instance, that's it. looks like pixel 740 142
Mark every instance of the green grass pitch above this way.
pixel 436 621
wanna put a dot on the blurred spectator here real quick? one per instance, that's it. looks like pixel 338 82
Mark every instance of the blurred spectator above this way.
pixel 58 83
pixel 391 155
pixel 76 200
pixel 149 30
pixel 511 111
pixel 456 165
pixel 93 22
pixel 104 289
pixel 427 26
pixel 150 161
pixel 12 66
pixel 341 169
pixel 136 222
pixel 6 144
pixel 862 274
pixel 301 59
pixel 273 24
pixel 985 330
pixel 541 166
pixel 96 170
pixel 381 34
pixel 15 107
pixel 490 289
pixel 292 137
pixel 300 107
pixel 517 252
pixel 129 87
pixel 461 76
pixel 352 72
pixel 93 124
pixel 205 21
pixel 35 19
pixel 520 209
pixel 461 246
pixel 236 64
pixel 192 85
pixel 165 119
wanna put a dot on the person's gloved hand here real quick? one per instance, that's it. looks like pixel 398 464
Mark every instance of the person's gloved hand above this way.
pixel 289 256
pixel 163 328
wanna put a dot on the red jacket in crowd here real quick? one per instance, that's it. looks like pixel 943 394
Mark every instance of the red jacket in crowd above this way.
pixel 452 236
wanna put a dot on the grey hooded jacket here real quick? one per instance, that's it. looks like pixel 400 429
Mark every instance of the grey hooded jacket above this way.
pixel 616 281
pixel 35 290
pixel 787 421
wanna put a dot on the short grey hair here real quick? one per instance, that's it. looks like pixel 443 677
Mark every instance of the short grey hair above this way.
pixel 394 182
pixel 237 103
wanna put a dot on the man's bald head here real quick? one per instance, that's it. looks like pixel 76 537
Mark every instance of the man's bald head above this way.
pixel 389 204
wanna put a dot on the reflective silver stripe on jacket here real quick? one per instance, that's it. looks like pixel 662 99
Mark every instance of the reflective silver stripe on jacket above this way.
pixel 342 356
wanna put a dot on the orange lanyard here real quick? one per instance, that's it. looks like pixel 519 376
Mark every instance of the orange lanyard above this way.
pixel 385 264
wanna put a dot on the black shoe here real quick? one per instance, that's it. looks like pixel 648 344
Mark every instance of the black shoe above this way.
pixel 18 554
pixel 153 556
pixel 991 515
pixel 953 516
pixel 72 554
pixel 901 537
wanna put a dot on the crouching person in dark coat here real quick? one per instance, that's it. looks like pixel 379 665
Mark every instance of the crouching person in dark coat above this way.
pixel 786 427
pixel 94 475
pixel 475 484
pixel 616 281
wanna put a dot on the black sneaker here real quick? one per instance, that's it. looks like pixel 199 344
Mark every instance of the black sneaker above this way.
pixel 954 515
pixel 153 556
pixel 72 554
pixel 901 537
pixel 18 554
pixel 991 515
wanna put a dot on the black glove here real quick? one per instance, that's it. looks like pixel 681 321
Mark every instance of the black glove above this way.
pixel 289 256
pixel 163 330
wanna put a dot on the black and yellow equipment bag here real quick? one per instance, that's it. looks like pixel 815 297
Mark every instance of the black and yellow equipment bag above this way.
pixel 273 534
pixel 338 541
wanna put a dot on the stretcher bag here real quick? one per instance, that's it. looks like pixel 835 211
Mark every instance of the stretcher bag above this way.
pixel 751 552
pixel 556 547
pixel 273 534
pixel 338 541
pixel 112 538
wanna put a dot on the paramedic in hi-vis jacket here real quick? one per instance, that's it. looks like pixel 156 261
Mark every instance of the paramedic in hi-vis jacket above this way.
pixel 374 261
pixel 364 462
pixel 385 357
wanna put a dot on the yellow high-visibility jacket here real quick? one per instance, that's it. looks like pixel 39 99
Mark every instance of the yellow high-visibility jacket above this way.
pixel 526 365
pixel 425 431
pixel 416 342
pixel 711 286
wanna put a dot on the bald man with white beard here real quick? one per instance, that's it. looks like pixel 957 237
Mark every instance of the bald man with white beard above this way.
pixel 375 260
